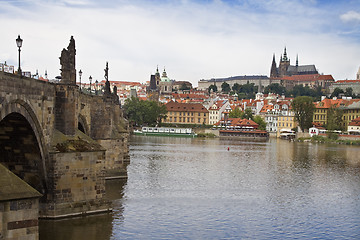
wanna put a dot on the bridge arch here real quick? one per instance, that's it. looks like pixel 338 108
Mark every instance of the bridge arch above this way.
pixel 82 124
pixel 22 145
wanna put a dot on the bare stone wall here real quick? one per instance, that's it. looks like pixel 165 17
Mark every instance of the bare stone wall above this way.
pixel 19 219
pixel 77 184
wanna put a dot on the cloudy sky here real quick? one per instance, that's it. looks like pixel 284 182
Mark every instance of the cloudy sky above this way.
pixel 192 39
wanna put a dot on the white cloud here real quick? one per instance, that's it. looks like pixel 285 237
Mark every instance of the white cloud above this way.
pixel 192 40
pixel 350 16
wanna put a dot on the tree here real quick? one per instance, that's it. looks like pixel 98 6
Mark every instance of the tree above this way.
pixel 236 113
pixel 300 90
pixel 140 112
pixel 336 92
pixel 249 89
pixel 213 87
pixel 334 119
pixel 236 87
pixel 303 108
pixel 349 92
pixel 259 120
pixel 275 88
pixel 225 87
pixel 184 87
pixel 248 114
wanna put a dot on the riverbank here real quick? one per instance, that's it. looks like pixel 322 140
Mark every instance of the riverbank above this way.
pixel 326 139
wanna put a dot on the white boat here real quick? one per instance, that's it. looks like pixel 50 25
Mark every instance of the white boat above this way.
pixel 165 131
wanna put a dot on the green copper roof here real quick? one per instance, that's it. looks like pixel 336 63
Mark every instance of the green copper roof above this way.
pixel 12 187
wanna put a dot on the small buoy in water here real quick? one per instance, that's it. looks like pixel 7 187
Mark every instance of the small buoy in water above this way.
pixel 228 148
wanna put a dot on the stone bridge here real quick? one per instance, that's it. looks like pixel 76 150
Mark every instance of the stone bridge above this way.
pixel 61 141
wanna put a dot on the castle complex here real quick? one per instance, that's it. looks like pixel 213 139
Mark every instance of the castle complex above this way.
pixel 285 69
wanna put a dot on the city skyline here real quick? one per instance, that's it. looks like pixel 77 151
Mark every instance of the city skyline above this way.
pixel 193 40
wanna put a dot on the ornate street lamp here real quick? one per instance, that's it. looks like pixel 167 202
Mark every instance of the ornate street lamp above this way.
pixel 80 73
pixel 90 78
pixel 19 45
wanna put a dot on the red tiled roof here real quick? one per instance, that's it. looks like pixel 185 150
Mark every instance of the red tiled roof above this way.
pixel 267 107
pixel 328 103
pixel 347 81
pixel 189 96
pixel 185 107
pixel 355 122
pixel 307 77
pixel 240 122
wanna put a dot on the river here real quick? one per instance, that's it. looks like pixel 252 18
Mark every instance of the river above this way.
pixel 184 188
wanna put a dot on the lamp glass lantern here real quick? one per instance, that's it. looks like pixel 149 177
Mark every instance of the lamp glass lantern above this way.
pixel 90 79
pixel 19 45
pixel 80 73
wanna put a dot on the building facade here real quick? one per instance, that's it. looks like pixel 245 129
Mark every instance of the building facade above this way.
pixel 186 113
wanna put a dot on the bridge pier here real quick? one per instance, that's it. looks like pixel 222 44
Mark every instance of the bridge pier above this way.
pixel 77 184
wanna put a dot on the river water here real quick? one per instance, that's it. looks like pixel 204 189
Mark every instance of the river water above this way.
pixel 184 188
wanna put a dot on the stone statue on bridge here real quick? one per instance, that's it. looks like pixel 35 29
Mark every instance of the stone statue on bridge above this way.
pixel 67 62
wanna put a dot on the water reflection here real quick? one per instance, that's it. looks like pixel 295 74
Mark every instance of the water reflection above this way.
pixel 93 227
pixel 182 188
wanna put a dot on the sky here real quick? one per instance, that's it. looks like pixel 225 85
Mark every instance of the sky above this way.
pixel 191 39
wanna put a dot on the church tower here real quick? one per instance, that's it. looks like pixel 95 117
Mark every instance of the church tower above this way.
pixel 157 76
pixel 273 70
pixel 164 75
pixel 358 75
pixel 284 64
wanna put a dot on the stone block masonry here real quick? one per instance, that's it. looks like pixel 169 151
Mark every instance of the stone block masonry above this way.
pixel 77 185
pixel 19 219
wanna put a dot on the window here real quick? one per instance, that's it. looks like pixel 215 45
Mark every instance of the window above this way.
pixel 199 114
pixel 170 119
pixel 184 119
pixel 174 119
pixel 179 113
pixel 199 119
pixel 204 114
pixel 188 119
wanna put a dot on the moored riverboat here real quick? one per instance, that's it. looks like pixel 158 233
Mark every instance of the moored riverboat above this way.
pixel 253 135
pixel 165 131
pixel 287 134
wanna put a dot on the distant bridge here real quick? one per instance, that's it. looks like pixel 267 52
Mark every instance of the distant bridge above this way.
pixel 61 141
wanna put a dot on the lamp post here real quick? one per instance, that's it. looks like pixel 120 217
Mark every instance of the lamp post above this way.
pixel 19 45
pixel 80 73
pixel 96 87
pixel 90 78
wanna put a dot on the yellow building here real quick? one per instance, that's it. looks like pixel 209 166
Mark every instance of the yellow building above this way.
pixel 186 113
pixel 350 108
pixel 351 112
pixel 286 122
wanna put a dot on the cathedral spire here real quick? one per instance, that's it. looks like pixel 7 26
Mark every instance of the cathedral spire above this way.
pixel 285 55
pixel 297 60
pixel 273 70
